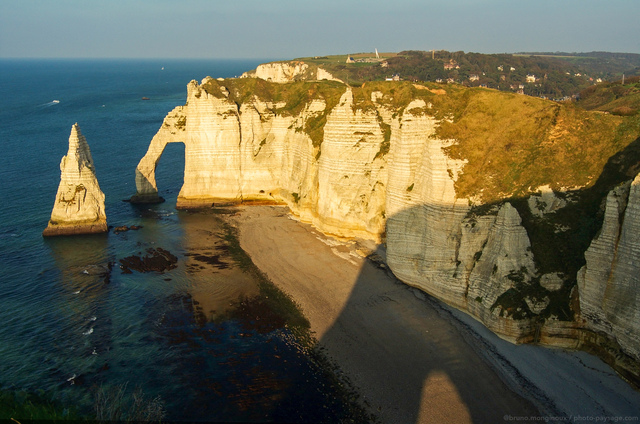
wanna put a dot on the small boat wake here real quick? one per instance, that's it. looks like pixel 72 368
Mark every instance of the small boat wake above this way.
pixel 51 103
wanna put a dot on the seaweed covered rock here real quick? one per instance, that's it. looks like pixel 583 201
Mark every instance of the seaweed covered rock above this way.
pixel 158 260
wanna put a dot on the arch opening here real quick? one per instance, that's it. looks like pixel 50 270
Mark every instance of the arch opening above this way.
pixel 170 171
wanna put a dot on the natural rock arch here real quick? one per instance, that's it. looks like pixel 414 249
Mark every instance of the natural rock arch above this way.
pixel 172 131
pixel 209 127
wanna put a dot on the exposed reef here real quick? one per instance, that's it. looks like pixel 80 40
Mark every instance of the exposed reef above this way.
pixel 79 205
pixel 158 260
pixel 488 201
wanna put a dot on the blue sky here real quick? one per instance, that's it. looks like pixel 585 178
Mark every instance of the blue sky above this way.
pixel 295 28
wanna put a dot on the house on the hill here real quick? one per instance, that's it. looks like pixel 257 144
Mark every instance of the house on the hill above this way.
pixel 451 65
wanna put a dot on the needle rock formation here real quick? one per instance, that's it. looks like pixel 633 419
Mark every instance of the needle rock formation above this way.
pixel 79 204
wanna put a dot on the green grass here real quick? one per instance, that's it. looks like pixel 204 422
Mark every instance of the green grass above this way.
pixel 33 406
pixel 288 99
pixel 115 404
pixel 614 98
pixel 352 73
pixel 514 143
pixel 292 98
pixel 112 404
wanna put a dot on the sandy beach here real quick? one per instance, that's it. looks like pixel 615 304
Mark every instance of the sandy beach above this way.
pixel 409 363
pixel 413 359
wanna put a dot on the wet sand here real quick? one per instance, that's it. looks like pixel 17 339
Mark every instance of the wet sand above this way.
pixel 409 360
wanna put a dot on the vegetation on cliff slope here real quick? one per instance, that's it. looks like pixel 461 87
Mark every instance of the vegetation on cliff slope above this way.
pixel 515 144
pixel 291 99
pixel 616 97
pixel 556 75
pixel 286 99
pixel 23 405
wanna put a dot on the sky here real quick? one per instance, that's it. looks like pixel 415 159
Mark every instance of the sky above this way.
pixel 284 29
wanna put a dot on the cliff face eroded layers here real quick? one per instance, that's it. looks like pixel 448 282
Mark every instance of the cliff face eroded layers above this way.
pixel 479 221
pixel 79 205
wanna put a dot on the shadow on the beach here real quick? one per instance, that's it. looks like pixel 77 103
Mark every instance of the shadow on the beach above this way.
pixel 413 359
pixel 415 364
pixel 407 352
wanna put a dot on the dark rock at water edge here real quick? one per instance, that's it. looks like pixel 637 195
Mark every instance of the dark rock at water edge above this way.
pixel 145 199
pixel 158 260
pixel 124 228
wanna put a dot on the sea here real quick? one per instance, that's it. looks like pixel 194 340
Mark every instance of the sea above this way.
pixel 74 326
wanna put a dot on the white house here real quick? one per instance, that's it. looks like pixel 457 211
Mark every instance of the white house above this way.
pixel 451 65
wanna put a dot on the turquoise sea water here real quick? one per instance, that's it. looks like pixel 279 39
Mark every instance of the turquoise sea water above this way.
pixel 68 328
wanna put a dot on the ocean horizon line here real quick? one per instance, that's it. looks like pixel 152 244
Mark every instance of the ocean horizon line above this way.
pixel 137 58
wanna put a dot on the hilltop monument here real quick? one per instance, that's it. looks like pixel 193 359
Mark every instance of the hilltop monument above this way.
pixel 79 204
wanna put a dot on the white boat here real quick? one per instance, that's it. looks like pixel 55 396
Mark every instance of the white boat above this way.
pixel 56 101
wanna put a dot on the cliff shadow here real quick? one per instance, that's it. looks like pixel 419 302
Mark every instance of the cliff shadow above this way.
pixel 407 358
pixel 404 351
pixel 563 251
pixel 397 343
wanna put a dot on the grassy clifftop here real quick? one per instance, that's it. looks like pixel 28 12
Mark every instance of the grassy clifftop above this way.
pixel 616 97
pixel 512 143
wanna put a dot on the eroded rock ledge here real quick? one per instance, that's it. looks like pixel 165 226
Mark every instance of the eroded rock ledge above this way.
pixel 468 199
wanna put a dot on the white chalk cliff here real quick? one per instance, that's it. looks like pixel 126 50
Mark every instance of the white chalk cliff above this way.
pixel 282 72
pixel 609 283
pixel 79 204
pixel 381 172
